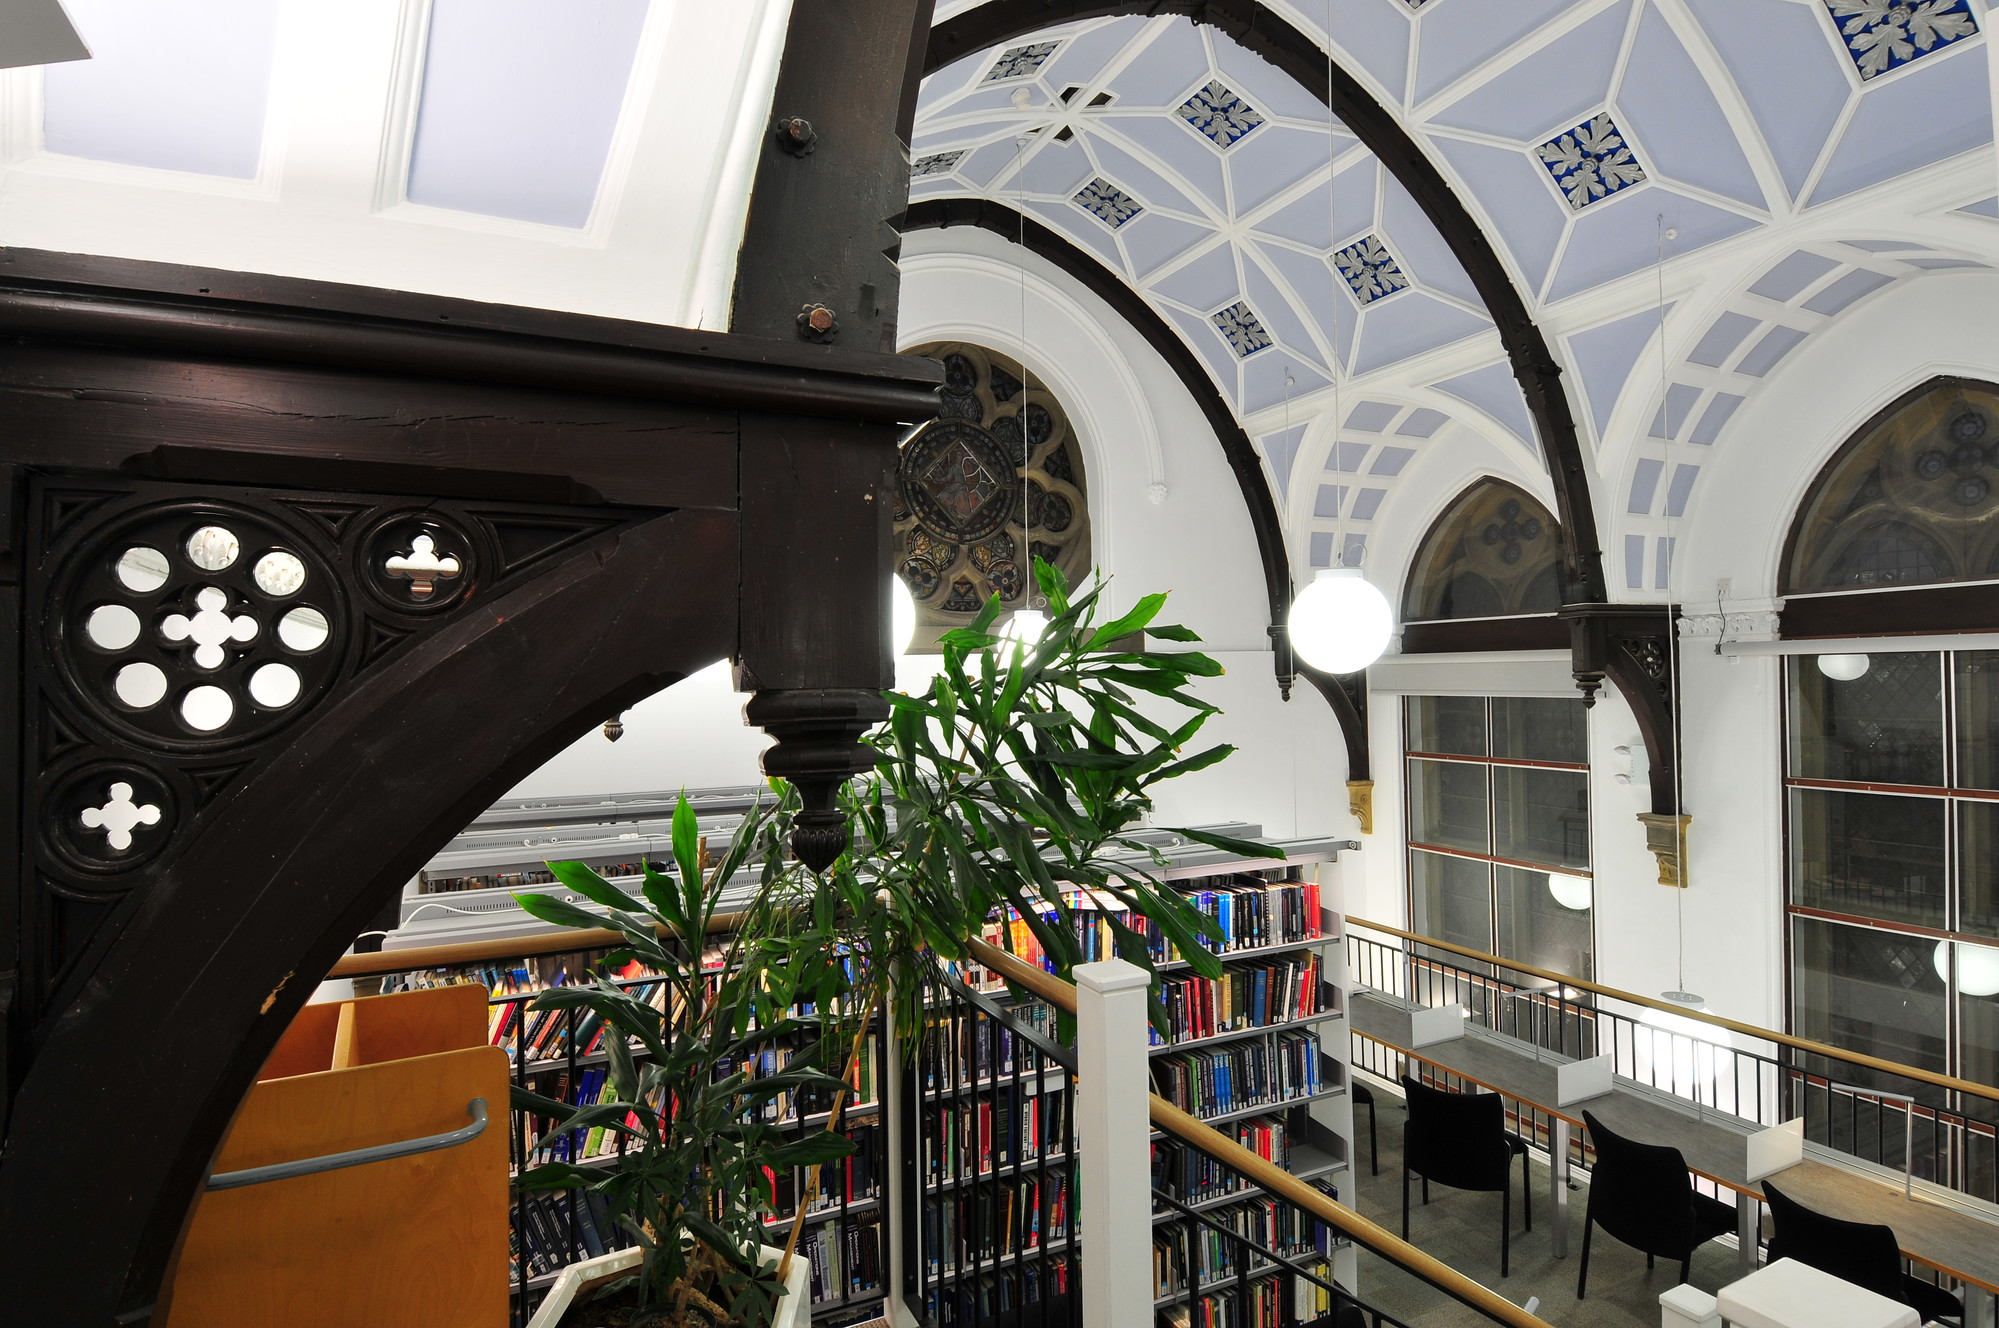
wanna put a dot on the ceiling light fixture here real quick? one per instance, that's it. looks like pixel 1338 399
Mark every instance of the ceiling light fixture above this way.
pixel 1572 892
pixel 1844 668
pixel 1340 622
pixel 901 615
pixel 1977 968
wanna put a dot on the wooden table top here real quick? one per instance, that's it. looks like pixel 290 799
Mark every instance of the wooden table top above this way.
pixel 1953 1240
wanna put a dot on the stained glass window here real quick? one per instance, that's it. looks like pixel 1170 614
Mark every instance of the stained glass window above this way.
pixel 1495 552
pixel 997 475
pixel 1909 500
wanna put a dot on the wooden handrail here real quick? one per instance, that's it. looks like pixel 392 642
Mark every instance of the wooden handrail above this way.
pixel 380 963
pixel 1701 1016
pixel 1192 1131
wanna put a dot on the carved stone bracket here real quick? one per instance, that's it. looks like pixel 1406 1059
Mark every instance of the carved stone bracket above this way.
pixel 1742 620
pixel 1666 836
pixel 818 749
pixel 1360 802
pixel 1631 645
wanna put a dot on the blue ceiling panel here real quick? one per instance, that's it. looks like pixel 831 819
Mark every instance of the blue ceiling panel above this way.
pixel 1311 277
pixel 1271 160
pixel 1264 86
pixel 986 164
pixel 1208 344
pixel 1457 36
pixel 1515 194
pixel 1345 457
pixel 1306 220
pixel 1137 177
pixel 1622 237
pixel 1084 56
pixel 1494 390
pixel 1168 139
pixel 1549 90
pixel 1410 323
pixel 1422 422
pixel 1946 95
pixel 1797 271
pixel 941 85
pixel 1152 239
pixel 1206 283
pixel 1667 421
pixel 1419 247
pixel 1723 335
pixel 1787 71
pixel 1285 321
pixel 1368 417
pixel 1773 346
pixel 1854 285
pixel 1714 417
pixel 1280 450
pixel 1391 460
pixel 1604 357
pixel 1057 168
pixel 1984 207
pixel 1161 75
pixel 1377 37
pixel 1263 384
pixel 1075 224
pixel 1673 118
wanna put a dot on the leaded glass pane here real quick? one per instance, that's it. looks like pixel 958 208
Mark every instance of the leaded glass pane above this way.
pixel 1884 727
pixel 1977 702
pixel 1541 815
pixel 1540 728
pixel 1869 991
pixel 1978 869
pixel 1495 552
pixel 1539 922
pixel 1447 806
pixel 1909 500
pixel 1450 724
pixel 1451 901
pixel 1874 855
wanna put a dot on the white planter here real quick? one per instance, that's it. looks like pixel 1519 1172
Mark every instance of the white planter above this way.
pixel 793 1308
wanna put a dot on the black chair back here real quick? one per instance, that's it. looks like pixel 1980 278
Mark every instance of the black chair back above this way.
pixel 1456 1139
pixel 1641 1193
pixel 1863 1253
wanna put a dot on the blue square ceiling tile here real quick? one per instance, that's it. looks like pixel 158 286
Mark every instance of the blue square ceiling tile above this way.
pixel 1884 35
pixel 1370 270
pixel 1591 162
pixel 1219 115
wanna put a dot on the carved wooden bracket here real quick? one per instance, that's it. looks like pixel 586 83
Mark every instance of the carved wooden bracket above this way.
pixel 1360 802
pixel 1631 645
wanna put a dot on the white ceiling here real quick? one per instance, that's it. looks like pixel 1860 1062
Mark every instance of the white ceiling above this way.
pixel 1626 158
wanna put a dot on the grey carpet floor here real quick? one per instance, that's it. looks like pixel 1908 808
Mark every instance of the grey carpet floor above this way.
pixel 1462 1229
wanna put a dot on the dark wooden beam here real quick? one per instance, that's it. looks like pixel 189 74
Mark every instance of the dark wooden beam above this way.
pixel 223 947
pixel 1260 30
pixel 833 175
pixel 1539 632
pixel 1917 610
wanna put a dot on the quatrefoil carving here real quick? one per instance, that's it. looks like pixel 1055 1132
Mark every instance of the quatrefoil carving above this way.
pixel 210 627
pixel 422 567
pixel 119 816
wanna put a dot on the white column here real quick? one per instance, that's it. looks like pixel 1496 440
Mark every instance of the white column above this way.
pixel 1113 1137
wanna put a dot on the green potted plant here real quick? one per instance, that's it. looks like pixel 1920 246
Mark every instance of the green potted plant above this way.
pixel 1019 779
pixel 690 1084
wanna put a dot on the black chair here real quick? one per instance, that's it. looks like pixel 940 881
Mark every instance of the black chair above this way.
pixel 1643 1195
pixel 1364 1097
pixel 1460 1140
pixel 1863 1253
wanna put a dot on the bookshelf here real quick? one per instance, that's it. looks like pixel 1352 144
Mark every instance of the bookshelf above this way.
pixel 1260 1053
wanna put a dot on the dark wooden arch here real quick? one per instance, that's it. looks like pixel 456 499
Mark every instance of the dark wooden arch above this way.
pixel 1349 704
pixel 1268 35
pixel 697 496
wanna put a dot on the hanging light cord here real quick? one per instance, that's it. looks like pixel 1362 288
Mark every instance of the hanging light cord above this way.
pixel 1666 431
pixel 1024 560
pixel 1343 488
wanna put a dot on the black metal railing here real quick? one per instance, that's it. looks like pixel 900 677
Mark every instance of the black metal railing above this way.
pixel 1945 1135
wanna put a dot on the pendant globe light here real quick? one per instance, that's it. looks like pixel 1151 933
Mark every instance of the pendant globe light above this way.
pixel 902 615
pixel 1340 623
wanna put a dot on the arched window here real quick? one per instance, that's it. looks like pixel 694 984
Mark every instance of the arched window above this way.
pixel 1495 552
pixel 960 521
pixel 1910 499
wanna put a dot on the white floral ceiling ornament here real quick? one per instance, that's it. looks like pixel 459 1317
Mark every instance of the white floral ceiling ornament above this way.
pixel 1591 162
pixel 1219 115
pixel 1370 270
pixel 1020 62
pixel 1107 203
pixel 937 163
pixel 1241 328
pixel 1883 35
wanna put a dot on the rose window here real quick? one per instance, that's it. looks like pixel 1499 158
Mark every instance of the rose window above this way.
pixel 201 630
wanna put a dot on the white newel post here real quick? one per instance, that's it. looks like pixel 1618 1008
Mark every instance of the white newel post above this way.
pixel 1113 1134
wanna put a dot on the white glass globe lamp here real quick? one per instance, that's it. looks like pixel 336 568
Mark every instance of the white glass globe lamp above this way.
pixel 1340 623
pixel 1570 891
pixel 1844 668
pixel 1977 968
pixel 1025 627
pixel 902 615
